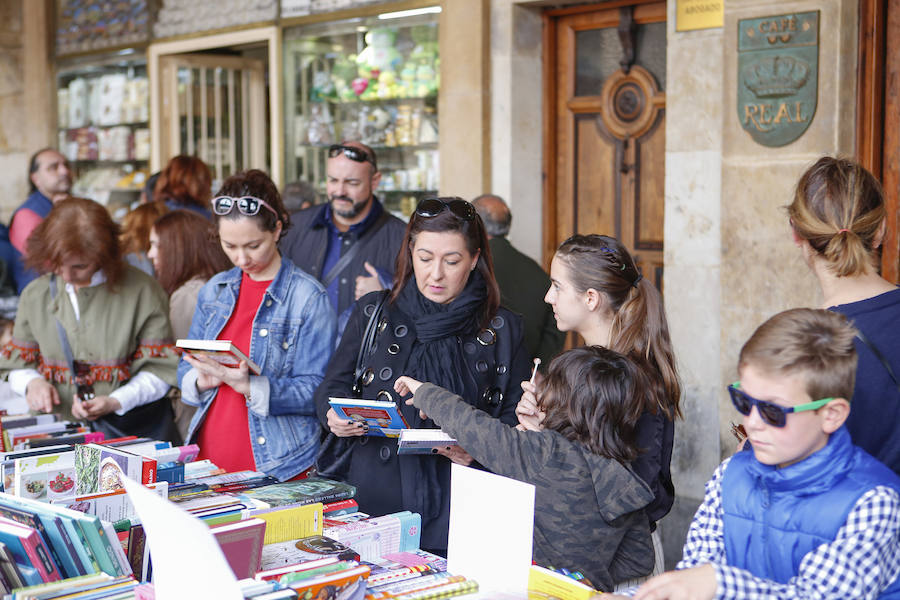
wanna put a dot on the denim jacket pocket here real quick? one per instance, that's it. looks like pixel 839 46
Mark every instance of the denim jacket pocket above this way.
pixel 281 345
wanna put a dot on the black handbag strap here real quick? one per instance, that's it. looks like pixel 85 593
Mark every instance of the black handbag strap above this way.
pixel 862 337
pixel 368 340
pixel 355 249
pixel 63 338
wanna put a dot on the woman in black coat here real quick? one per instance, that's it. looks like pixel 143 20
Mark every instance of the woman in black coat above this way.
pixel 441 323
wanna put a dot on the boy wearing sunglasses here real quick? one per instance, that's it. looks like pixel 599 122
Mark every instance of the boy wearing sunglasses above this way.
pixel 803 513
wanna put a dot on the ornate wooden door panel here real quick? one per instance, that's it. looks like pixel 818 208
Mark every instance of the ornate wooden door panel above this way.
pixel 606 127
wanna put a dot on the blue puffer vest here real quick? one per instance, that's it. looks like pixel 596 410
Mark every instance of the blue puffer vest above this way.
pixel 774 517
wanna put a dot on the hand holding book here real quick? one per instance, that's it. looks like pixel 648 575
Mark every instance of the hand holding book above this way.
pixel 407 385
pixel 213 373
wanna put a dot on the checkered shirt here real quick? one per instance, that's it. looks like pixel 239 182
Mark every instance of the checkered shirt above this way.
pixel 863 559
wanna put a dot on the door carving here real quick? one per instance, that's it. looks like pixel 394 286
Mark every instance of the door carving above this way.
pixel 605 128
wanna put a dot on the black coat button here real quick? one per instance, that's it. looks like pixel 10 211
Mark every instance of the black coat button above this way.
pixel 386 373
pixel 385 453
pixel 401 331
pixel 497 322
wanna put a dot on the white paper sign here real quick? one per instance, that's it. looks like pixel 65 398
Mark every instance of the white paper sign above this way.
pixel 187 561
pixel 491 524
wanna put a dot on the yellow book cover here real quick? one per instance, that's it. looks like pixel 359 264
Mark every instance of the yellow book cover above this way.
pixel 284 524
pixel 544 583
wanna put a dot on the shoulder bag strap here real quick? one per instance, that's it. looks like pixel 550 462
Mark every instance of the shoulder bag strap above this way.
pixel 367 340
pixel 862 337
pixel 355 249
pixel 63 338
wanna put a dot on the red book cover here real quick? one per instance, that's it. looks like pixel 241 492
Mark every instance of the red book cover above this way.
pixel 241 543
pixel 148 470
pixel 35 548
pixel 277 572
pixel 341 507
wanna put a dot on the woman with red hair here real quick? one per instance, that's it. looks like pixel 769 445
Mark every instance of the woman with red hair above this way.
pixel 186 182
pixel 92 339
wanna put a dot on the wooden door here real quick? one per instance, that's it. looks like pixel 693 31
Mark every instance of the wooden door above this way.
pixel 214 107
pixel 878 114
pixel 604 127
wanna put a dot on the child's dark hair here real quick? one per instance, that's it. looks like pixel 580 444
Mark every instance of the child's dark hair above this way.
pixel 586 396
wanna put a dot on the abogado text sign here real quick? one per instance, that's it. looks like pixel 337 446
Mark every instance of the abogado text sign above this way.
pixel 778 76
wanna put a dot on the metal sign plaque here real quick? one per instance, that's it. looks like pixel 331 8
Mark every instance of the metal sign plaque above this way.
pixel 778 76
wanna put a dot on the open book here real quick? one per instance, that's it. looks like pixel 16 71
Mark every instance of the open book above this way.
pixel 221 350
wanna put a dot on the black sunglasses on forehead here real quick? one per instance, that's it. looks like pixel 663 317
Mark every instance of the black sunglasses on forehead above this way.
pixel 432 207
pixel 351 152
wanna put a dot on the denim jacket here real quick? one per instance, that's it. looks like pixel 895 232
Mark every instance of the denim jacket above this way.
pixel 292 341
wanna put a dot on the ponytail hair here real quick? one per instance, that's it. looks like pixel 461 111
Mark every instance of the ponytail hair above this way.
pixel 838 208
pixel 639 326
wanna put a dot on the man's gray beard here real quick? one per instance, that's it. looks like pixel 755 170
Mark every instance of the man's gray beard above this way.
pixel 353 212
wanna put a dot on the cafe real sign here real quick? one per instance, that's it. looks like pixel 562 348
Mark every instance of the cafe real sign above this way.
pixel 778 68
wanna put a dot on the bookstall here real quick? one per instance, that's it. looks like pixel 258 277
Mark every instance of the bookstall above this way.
pixel 86 517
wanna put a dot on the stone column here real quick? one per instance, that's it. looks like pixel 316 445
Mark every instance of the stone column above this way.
pixel 693 269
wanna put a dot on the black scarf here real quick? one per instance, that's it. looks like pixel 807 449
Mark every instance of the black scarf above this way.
pixel 437 357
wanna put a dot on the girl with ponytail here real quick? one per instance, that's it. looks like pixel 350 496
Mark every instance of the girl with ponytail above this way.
pixel 597 291
pixel 838 222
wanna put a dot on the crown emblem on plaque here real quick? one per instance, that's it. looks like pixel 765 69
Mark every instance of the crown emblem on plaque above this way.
pixel 776 76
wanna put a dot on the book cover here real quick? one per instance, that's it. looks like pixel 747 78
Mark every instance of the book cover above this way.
pixel 384 418
pixel 340 507
pixel 348 583
pixel 93 536
pixel 377 536
pixel 137 546
pixel 28 547
pixel 100 468
pixel 50 531
pixel 222 351
pixel 122 564
pixel 88 437
pixel 304 550
pixel 284 524
pixel 242 544
pixel 304 491
pixel 546 583
pixel 423 441
pixel 277 572
pixel 45 477
pixel 172 473
pixel 9 569
pixel 69 524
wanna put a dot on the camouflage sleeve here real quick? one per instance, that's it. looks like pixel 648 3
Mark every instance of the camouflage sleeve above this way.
pixel 499 447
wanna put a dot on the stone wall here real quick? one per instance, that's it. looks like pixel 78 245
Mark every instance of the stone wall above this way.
pixel 13 151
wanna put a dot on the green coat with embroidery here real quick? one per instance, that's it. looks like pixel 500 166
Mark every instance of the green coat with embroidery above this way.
pixel 120 332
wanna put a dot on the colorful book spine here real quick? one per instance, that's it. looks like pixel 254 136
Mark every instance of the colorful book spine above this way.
pixel 34 548
pixel 50 534
pixel 458 588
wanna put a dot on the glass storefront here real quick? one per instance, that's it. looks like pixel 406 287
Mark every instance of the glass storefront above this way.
pixel 372 79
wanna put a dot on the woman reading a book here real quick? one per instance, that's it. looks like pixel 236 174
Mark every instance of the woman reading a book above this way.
pixel 598 292
pixel 185 254
pixel 92 339
pixel 280 318
pixel 441 323
pixel 589 505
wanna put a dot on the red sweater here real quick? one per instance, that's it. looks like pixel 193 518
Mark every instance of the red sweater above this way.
pixel 224 436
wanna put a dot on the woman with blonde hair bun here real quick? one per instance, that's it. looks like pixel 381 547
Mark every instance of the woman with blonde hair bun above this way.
pixel 838 222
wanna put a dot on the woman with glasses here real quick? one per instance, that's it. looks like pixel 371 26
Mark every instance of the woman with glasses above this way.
pixel 597 291
pixel 281 319
pixel 185 254
pixel 440 323
pixel 839 221
pixel 92 339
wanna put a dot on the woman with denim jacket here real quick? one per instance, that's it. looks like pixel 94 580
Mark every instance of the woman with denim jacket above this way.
pixel 281 319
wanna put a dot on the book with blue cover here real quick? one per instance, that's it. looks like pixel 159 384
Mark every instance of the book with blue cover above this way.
pixel 383 418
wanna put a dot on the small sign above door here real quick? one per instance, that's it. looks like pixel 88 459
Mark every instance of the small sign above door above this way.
pixel 778 76
pixel 698 14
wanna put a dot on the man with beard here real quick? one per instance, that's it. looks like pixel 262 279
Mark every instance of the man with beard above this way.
pixel 349 244
pixel 51 179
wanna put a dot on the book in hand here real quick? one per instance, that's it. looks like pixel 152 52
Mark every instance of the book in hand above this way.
pixel 222 351
pixel 383 417
pixel 423 441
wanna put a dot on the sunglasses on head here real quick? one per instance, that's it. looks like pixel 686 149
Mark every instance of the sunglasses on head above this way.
pixel 247 205
pixel 772 414
pixel 351 152
pixel 432 207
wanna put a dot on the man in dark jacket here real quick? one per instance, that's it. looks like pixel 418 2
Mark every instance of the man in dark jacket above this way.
pixel 523 283
pixel 349 244
pixel 50 178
